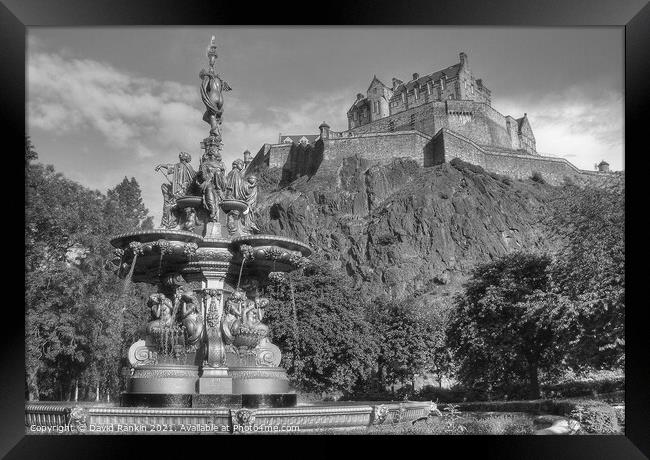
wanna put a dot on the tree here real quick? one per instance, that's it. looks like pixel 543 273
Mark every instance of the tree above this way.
pixel 589 269
pixel 30 152
pixel 127 198
pixel 333 347
pixel 411 337
pixel 76 315
pixel 508 326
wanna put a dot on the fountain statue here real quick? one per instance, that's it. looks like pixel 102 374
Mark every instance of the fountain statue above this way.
pixel 206 340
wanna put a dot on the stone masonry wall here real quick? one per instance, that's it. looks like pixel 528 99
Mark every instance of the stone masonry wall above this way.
pixel 380 147
pixel 475 120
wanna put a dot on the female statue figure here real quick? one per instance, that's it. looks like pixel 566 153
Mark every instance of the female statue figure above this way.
pixel 235 181
pixel 182 178
pixel 211 87
pixel 161 312
pixel 210 182
pixel 191 317
pixel 250 197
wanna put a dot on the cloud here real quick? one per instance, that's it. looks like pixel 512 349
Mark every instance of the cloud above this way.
pixel 582 122
pixel 133 114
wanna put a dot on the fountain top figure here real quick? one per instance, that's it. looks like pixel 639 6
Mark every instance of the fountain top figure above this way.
pixel 212 86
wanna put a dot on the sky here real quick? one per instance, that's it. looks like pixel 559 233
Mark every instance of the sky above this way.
pixel 105 103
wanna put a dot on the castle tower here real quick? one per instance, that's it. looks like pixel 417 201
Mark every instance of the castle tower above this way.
pixel 378 96
pixel 603 166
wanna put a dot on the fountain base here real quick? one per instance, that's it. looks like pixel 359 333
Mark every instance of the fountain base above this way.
pixel 186 386
pixel 252 401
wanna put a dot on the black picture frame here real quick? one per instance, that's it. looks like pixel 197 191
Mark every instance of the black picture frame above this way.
pixel 633 15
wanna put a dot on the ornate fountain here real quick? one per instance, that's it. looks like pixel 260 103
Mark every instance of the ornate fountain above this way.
pixel 206 342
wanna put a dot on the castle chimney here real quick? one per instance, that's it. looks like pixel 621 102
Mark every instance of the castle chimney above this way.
pixel 359 96
pixel 324 130
pixel 463 59
pixel 416 76
pixel 247 158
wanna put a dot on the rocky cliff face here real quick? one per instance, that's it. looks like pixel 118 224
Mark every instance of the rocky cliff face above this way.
pixel 399 228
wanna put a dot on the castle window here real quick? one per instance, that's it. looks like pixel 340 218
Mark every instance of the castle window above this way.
pixel 442 84
pixel 416 93
pixel 412 123
pixel 404 97
pixel 429 88
pixel 391 125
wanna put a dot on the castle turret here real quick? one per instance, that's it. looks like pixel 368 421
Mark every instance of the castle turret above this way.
pixel 464 61
pixel 324 130
pixel 603 166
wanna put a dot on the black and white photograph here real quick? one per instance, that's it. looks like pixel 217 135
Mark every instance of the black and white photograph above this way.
pixel 325 230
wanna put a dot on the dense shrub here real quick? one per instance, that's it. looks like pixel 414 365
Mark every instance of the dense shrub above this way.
pixel 584 388
pixel 500 425
pixel 568 180
pixel 269 178
pixel 467 167
pixel 537 177
pixel 596 417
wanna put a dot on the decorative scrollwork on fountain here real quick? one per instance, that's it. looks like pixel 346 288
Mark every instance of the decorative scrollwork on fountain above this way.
pixel 272 253
pixel 189 249
pixel 136 248
pixel 243 417
pixel 379 414
pixel 213 316
pixel 164 246
pixel 247 252
pixel 78 419
pixel 141 354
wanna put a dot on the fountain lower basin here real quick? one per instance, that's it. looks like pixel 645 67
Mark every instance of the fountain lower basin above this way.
pixel 247 418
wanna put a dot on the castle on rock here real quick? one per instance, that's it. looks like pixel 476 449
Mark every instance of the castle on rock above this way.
pixel 432 119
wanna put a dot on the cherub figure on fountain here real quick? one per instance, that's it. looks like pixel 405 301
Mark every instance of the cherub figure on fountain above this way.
pixel 161 313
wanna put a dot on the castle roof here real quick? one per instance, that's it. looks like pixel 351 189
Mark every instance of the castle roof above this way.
pixel 375 79
pixel 297 138
pixel 449 73
pixel 359 102
pixel 603 163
